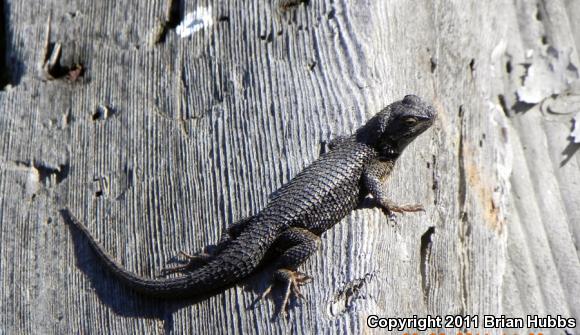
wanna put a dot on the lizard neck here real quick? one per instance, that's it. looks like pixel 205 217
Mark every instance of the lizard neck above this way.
pixel 384 145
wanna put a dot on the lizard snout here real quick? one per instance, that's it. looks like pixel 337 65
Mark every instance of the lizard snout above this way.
pixel 425 110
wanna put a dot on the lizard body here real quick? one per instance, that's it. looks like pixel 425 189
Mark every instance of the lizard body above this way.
pixel 291 223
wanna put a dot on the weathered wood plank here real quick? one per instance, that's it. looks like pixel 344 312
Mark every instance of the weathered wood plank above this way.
pixel 164 141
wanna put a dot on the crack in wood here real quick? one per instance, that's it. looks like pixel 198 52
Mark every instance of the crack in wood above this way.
pixel 51 65
pixel 461 163
pixel 433 62
pixel 5 75
pixel 472 66
pixel 425 253
pixel 464 228
pixel 54 70
pixel 173 16
pixel 503 104
pixel 287 5
pixel 435 178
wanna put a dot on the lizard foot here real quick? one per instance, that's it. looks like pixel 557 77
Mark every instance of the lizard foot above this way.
pixel 292 281
pixel 193 261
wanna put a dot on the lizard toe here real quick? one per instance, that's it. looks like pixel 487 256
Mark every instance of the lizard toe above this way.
pixel 292 280
pixel 193 261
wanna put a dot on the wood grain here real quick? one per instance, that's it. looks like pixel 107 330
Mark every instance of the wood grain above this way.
pixel 164 141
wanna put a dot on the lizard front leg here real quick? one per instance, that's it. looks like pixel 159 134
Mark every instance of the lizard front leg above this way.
pixel 297 244
pixel 374 178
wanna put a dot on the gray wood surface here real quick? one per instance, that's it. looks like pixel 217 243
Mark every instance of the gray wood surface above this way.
pixel 165 140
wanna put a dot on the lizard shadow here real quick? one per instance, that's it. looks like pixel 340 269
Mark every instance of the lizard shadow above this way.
pixel 123 301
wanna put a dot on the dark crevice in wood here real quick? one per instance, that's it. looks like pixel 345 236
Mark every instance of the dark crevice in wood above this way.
pixel 472 65
pixel 425 252
pixel 174 13
pixel 268 38
pixel 526 67
pixel 522 106
pixel 572 68
pixel 503 104
pixel 55 70
pixel 52 62
pixel 572 146
pixel 461 164
pixel 5 75
pixel 174 16
pixel 435 184
pixel 539 14
pixel 433 65
pixel 311 65
pixel 331 14
pixel 569 152
pixel 464 234
pixel 286 5
pixel 102 113
pixel 464 227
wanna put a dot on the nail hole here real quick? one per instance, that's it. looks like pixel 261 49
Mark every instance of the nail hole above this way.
pixel 433 65
pixel 102 113
pixel 472 65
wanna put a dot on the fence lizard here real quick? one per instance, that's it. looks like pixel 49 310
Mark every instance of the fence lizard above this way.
pixel 351 175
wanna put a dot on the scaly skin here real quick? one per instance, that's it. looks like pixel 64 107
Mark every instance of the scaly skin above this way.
pixel 291 223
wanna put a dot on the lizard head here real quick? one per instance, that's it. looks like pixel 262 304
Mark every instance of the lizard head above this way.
pixel 394 127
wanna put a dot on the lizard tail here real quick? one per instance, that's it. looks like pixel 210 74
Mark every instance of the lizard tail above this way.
pixel 235 262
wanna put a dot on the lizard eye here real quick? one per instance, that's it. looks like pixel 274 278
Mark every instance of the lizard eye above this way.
pixel 410 121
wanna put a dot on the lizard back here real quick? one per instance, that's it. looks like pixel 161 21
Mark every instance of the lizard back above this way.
pixel 325 191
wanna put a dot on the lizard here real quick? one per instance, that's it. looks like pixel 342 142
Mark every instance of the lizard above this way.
pixel 351 174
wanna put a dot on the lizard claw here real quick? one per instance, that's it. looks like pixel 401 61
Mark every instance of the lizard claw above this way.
pixel 193 261
pixel 292 281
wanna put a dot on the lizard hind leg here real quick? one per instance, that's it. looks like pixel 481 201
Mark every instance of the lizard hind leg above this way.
pixel 193 261
pixel 298 245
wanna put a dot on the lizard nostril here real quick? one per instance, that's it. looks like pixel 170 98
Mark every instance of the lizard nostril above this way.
pixel 412 100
